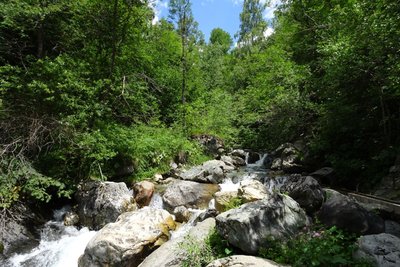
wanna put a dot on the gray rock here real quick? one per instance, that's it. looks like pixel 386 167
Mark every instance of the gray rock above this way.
pixel 223 198
pixel 392 228
pixel 171 254
pixel 188 194
pixel 250 226
pixel 182 214
pixel 239 153
pixel 253 157
pixel 71 218
pixel 276 164
pixel 233 161
pixel 100 203
pixel 129 240
pixel 209 213
pixel 211 171
pixel 306 191
pixel 382 250
pixel 252 190
pixel 287 159
pixel 242 261
pixel 324 175
pixel 345 213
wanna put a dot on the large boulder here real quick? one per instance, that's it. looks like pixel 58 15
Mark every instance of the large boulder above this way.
pixel 224 198
pixel 253 157
pixel 233 161
pixel 324 175
pixel 18 230
pixel 143 192
pixel 287 158
pixel 211 171
pixel 250 226
pixel 343 212
pixel 239 153
pixel 306 191
pixel 243 261
pixel 382 250
pixel 252 190
pixel 171 254
pixel 129 240
pixel 212 145
pixel 100 203
pixel 188 194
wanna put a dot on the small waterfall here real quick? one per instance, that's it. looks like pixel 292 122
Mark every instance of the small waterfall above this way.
pixel 59 245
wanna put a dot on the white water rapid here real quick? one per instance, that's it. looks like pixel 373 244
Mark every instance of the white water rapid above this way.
pixel 60 246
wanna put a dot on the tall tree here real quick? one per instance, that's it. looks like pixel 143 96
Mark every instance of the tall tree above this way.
pixel 252 23
pixel 221 38
pixel 180 12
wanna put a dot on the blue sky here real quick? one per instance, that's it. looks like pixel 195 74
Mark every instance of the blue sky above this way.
pixel 211 14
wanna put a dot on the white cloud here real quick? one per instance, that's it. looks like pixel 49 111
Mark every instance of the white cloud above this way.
pixel 158 6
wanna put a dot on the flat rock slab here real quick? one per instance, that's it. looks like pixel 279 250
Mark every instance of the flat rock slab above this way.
pixel 129 240
pixel 243 261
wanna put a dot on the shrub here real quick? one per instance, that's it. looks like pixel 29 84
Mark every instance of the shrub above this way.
pixel 321 247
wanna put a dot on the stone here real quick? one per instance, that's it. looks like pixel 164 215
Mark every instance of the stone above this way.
pixel 306 191
pixel 71 218
pixel 287 158
pixel 343 212
pixel 392 228
pixel 383 250
pixel 211 171
pixel 143 192
pixel 324 175
pixel 242 261
pixel 233 161
pixel 253 157
pixel 250 226
pixel 188 194
pixel 209 213
pixel 18 232
pixel 252 190
pixel 171 253
pixel 212 145
pixel 276 164
pixel 182 214
pixel 129 240
pixel 239 153
pixel 223 198
pixel 100 203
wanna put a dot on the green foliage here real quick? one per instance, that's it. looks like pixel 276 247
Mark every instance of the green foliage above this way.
pixel 19 179
pixel 200 254
pixel 321 247
pixel 221 38
pixel 233 203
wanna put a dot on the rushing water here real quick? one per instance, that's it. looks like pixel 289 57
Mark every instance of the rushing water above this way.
pixel 60 246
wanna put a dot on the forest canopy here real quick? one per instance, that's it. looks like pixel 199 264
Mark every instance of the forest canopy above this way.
pixel 90 87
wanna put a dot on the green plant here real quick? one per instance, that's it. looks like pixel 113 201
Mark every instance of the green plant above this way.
pixel 200 254
pixel 233 203
pixel 320 247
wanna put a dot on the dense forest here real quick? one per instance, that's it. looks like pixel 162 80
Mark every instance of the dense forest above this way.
pixel 92 89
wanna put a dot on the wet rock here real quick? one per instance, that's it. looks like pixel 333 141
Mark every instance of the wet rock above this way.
pixel 324 175
pixel 253 157
pixel 345 213
pixel 129 240
pixel 306 191
pixel 392 228
pixel 143 192
pixel 71 218
pixel 239 153
pixel 233 161
pixel 100 203
pixel 223 198
pixel 252 190
pixel 243 261
pixel 171 253
pixel 17 230
pixel 287 158
pixel 250 226
pixel 209 213
pixel 188 194
pixel 382 250
pixel 182 214
pixel 211 171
